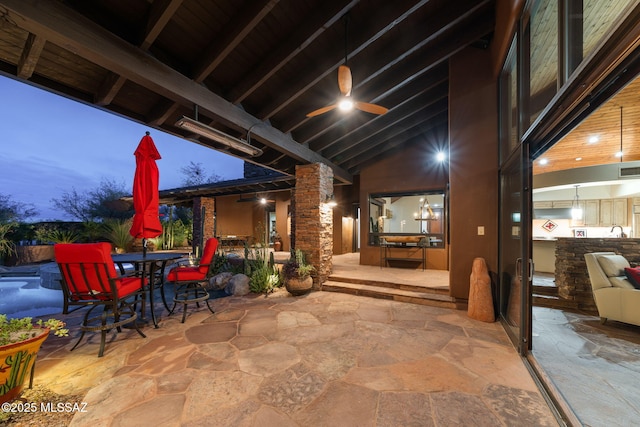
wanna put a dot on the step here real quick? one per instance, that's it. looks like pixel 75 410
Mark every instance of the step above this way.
pixel 435 299
pixel 382 284
pixel 554 302
pixel 545 290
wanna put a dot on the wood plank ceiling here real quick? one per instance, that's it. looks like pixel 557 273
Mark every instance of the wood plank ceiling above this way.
pixel 258 65
pixel 596 141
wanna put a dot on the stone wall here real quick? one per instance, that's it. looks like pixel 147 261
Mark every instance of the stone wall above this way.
pixel 203 227
pixel 572 278
pixel 313 218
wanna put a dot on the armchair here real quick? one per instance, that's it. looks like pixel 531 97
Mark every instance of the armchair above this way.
pixel 89 279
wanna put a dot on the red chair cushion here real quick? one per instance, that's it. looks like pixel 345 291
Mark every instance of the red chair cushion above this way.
pixel 88 282
pixel 128 285
pixel 181 274
pixel 198 273
pixel 210 248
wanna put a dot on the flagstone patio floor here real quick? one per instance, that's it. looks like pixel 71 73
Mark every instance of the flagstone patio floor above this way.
pixel 323 359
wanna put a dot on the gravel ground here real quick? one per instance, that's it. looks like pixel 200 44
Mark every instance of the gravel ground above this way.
pixel 32 399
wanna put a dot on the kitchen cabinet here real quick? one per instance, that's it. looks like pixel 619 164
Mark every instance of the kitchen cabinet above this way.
pixel 563 204
pixel 542 205
pixel 596 213
pixel 591 213
pixel 613 212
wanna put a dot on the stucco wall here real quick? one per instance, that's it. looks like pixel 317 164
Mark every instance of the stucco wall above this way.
pixel 473 133
pixel 413 169
pixel 234 218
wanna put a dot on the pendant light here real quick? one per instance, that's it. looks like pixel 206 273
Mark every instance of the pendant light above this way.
pixel 576 210
pixel 620 153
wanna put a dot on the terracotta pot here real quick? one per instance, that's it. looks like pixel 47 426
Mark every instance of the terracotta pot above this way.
pixel 16 362
pixel 297 286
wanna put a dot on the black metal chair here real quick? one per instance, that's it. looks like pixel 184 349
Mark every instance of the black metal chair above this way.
pixel 89 279
pixel 189 281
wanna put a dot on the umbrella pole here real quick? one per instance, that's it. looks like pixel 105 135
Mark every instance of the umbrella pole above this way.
pixel 144 247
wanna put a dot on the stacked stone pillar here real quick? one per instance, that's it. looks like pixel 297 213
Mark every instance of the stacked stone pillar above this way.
pixel 313 218
pixel 204 222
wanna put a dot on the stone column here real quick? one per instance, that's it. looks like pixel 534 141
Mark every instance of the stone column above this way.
pixel 313 218
pixel 203 225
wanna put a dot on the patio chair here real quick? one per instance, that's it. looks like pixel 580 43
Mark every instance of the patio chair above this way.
pixel 89 279
pixel 190 282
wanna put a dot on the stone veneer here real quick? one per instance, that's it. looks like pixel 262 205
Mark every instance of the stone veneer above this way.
pixel 572 278
pixel 203 228
pixel 313 219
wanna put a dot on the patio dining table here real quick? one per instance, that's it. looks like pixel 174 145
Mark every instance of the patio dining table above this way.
pixel 149 265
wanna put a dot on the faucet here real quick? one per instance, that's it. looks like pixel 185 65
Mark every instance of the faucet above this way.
pixel 622 234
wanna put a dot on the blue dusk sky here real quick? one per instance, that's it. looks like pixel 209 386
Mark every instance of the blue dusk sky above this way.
pixel 51 144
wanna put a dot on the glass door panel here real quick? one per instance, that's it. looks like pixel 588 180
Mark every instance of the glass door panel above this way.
pixel 516 269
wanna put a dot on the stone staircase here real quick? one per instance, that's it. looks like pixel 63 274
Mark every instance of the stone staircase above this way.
pixel 437 297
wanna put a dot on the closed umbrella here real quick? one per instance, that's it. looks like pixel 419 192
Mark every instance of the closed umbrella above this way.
pixel 146 220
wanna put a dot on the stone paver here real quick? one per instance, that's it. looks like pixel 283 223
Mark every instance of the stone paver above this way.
pixel 320 359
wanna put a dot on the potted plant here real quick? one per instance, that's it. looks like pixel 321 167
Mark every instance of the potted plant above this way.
pixel 296 274
pixel 20 340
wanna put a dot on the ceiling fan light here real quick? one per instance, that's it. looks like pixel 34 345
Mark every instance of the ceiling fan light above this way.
pixel 346 104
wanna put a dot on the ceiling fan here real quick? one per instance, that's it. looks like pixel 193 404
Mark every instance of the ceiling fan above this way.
pixel 345 83
pixel 346 102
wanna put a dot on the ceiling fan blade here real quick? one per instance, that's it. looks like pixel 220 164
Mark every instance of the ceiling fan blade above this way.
pixel 370 108
pixel 321 110
pixel 344 80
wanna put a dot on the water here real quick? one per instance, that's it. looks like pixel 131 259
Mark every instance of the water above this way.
pixel 23 296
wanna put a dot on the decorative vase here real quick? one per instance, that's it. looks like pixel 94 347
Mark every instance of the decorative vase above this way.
pixel 16 363
pixel 297 286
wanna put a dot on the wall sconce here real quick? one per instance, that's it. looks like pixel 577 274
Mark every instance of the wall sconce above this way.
pixel 218 136
pixel 331 201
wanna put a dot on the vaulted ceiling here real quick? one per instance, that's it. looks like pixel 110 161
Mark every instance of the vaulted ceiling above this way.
pixel 254 67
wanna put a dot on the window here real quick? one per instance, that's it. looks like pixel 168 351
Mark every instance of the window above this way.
pixel 408 214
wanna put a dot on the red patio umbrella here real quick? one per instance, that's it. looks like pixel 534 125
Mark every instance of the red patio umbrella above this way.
pixel 146 220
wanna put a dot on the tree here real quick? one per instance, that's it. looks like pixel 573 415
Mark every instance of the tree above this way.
pixel 195 174
pixel 12 211
pixel 102 203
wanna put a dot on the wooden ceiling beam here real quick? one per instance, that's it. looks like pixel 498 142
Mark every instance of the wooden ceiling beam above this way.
pixel 161 13
pixel 439 25
pixel 406 137
pixel 30 54
pixel 423 115
pixel 432 98
pixel 66 28
pixel 387 18
pixel 159 16
pixel 322 18
pixel 425 91
pixel 234 33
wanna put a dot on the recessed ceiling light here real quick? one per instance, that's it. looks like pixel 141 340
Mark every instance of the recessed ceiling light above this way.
pixel 593 139
pixel 619 154
pixel 578 159
pixel 543 161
